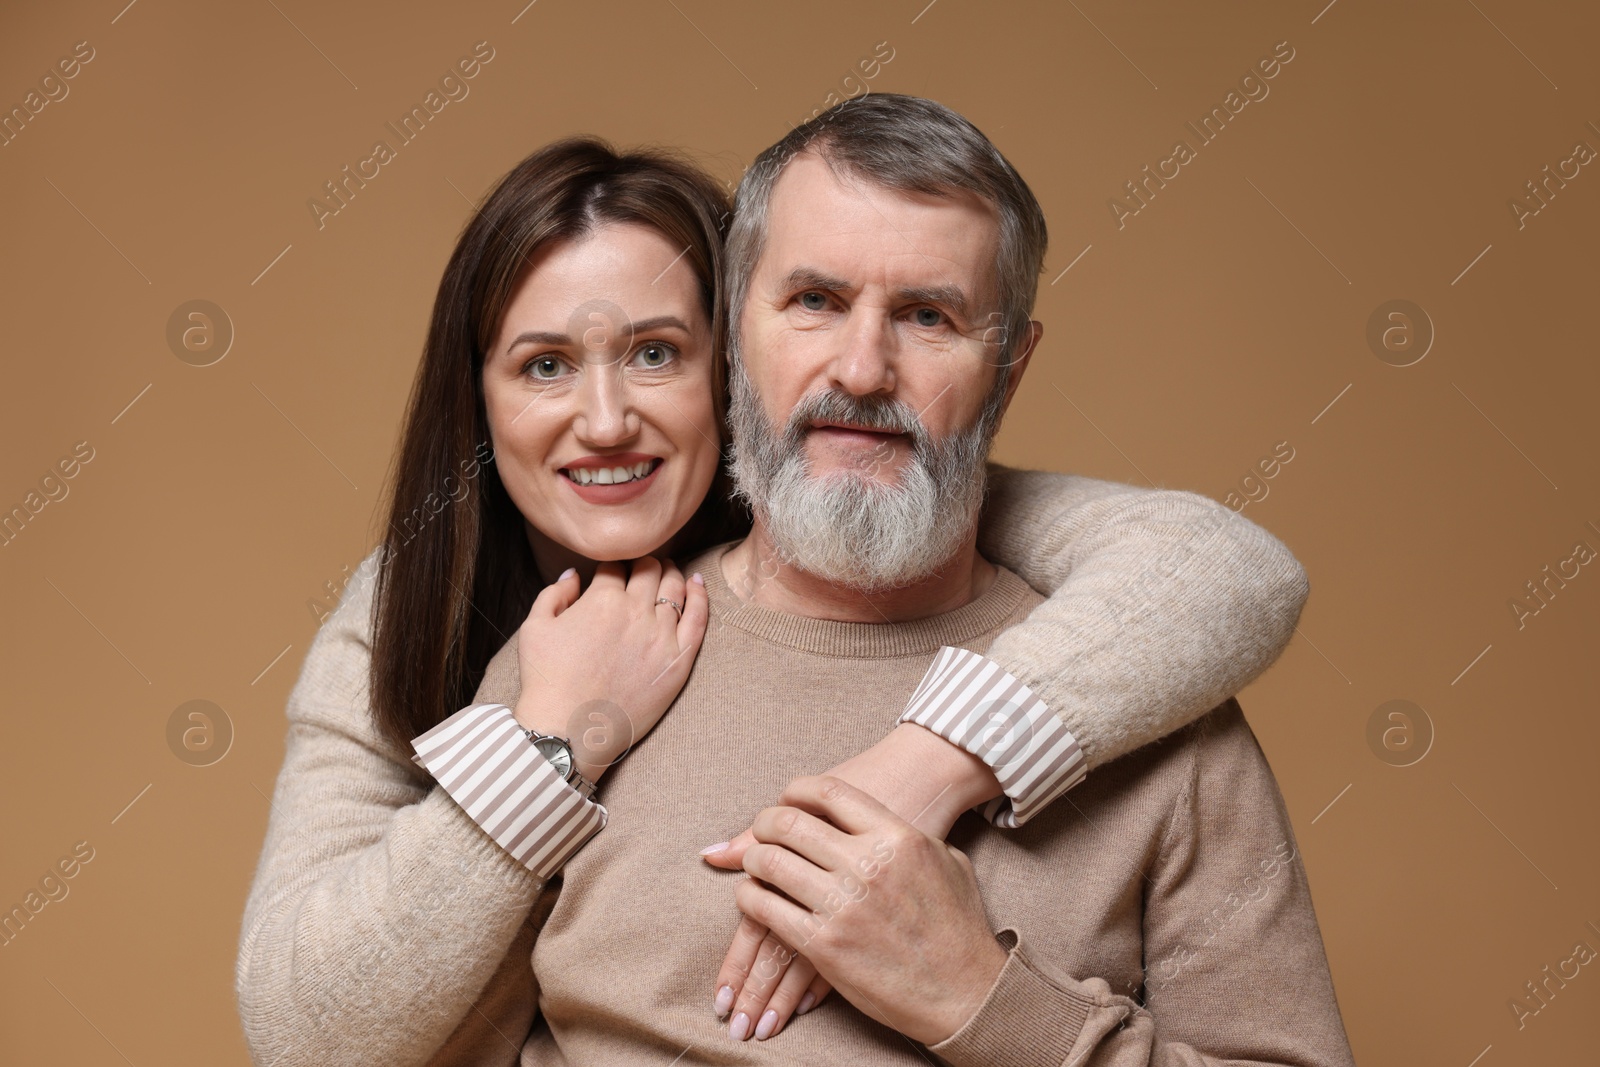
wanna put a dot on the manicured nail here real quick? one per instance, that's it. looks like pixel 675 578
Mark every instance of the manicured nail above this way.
pixel 739 1029
pixel 724 1000
pixel 568 573
pixel 768 1023
pixel 807 1002
pixel 711 849
pixel 698 578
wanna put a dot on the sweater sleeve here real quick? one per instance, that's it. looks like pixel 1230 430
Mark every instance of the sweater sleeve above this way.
pixel 1168 602
pixel 1235 970
pixel 383 925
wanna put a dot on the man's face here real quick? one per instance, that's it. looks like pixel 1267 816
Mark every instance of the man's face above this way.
pixel 877 293
pixel 862 395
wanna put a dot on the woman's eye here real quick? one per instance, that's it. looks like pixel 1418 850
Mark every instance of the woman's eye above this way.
pixel 654 355
pixel 545 369
pixel 928 317
pixel 813 301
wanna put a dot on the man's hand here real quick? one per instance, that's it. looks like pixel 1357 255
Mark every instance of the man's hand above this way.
pixel 888 914
pixel 919 776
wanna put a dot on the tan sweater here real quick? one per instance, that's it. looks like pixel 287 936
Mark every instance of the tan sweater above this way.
pixel 383 923
pixel 1142 882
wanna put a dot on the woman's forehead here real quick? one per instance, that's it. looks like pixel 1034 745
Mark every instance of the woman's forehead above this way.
pixel 629 271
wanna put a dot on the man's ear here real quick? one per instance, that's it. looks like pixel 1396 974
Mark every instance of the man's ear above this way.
pixel 1019 362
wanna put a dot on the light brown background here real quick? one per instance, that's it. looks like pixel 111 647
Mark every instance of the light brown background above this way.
pixel 1221 320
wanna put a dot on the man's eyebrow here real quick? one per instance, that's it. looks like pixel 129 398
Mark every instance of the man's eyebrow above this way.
pixel 625 329
pixel 811 278
pixel 951 296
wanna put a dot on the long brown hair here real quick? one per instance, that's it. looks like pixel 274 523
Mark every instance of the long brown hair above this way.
pixel 456 575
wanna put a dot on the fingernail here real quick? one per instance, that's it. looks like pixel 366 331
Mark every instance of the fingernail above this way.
pixel 807 1002
pixel 768 1023
pixel 710 849
pixel 698 578
pixel 724 1000
pixel 739 1029
pixel 568 573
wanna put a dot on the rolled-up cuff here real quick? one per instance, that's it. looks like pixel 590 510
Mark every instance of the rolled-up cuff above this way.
pixel 482 758
pixel 975 704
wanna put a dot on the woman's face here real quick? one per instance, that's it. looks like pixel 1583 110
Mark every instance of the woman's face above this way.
pixel 598 391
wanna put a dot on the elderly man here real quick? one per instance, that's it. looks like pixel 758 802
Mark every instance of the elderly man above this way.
pixel 883 266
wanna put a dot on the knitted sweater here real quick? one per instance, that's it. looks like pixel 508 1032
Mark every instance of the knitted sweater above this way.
pixel 383 920
pixel 1161 917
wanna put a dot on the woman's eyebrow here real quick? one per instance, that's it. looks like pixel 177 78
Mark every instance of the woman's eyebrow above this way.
pixel 538 337
pixel 626 329
pixel 659 322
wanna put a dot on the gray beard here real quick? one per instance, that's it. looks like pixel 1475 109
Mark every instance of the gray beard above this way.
pixel 847 527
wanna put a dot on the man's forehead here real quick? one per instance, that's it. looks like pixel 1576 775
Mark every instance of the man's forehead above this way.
pixel 822 218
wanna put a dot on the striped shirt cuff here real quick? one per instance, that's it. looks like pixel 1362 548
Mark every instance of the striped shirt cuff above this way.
pixel 972 702
pixel 481 757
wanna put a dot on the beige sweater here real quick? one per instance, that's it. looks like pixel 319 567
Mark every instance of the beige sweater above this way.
pixel 384 924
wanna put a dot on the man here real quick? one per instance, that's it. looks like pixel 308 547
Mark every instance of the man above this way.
pixel 883 266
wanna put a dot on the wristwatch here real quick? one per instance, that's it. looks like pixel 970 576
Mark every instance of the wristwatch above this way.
pixel 558 750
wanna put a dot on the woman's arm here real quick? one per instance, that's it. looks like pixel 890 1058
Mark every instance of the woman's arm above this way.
pixel 1168 602
pixel 380 911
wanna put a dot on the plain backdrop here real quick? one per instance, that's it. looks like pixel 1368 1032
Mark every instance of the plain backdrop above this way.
pixel 1186 342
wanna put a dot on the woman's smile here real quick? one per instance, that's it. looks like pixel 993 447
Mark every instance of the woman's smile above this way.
pixel 614 479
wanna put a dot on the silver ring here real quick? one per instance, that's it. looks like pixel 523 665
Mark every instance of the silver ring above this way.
pixel 673 604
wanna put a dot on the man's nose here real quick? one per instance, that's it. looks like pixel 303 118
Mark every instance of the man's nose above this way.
pixel 606 417
pixel 864 363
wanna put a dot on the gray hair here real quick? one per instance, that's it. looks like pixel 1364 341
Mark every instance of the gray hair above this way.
pixel 912 144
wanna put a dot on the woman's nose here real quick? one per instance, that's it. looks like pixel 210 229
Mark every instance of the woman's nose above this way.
pixel 607 417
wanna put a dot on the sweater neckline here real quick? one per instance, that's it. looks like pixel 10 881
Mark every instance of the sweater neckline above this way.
pixel 864 640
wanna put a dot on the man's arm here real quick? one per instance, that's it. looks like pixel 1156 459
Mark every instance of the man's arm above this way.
pixel 892 917
pixel 1235 968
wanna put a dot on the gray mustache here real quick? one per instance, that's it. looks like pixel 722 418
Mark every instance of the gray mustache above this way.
pixel 876 413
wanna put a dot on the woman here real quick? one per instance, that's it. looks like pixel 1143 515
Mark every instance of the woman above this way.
pixel 567 416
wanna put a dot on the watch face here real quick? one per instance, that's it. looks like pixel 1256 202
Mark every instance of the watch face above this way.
pixel 556 751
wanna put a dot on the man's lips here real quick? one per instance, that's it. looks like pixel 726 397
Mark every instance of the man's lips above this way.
pixel 852 435
pixel 852 427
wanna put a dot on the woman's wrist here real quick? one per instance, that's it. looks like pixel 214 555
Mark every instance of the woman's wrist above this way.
pixel 921 777
pixel 537 715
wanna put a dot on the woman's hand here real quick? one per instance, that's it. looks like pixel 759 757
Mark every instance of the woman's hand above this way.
pixel 917 775
pixel 601 668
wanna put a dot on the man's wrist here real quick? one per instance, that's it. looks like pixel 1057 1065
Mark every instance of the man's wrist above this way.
pixel 976 981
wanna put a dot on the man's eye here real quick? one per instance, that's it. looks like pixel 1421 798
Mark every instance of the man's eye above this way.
pixel 813 301
pixel 545 369
pixel 928 317
pixel 654 355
